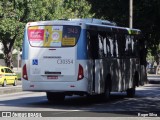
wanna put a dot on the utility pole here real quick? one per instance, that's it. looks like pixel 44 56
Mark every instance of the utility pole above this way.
pixel 130 13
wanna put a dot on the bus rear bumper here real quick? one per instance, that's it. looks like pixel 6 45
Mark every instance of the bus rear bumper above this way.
pixel 78 86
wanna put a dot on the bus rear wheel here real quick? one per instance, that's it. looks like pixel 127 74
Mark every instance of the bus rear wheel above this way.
pixel 131 91
pixel 106 95
pixel 107 92
pixel 55 97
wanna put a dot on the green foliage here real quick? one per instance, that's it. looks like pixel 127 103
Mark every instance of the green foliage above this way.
pixel 14 14
pixel 10 28
pixel 146 16
pixel 76 9
pixel 113 10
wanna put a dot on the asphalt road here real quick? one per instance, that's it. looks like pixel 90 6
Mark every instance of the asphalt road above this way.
pixel 146 102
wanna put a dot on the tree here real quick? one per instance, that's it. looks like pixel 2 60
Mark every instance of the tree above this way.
pixel 146 16
pixel 14 14
pixel 9 29
pixel 112 10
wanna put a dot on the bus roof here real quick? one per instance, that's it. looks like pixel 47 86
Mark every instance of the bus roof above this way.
pixel 88 21
pixel 74 21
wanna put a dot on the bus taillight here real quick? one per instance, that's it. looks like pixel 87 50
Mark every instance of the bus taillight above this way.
pixel 80 72
pixel 24 74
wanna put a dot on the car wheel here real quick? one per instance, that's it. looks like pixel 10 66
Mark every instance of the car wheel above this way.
pixel 4 83
pixel 15 83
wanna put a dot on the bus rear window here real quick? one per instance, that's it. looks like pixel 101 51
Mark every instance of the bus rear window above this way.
pixel 53 36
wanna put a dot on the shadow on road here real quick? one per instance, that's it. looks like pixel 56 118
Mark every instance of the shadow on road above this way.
pixel 146 100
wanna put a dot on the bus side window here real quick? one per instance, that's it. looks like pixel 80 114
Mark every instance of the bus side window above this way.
pixel 89 45
pixel 121 44
pixel 108 45
pixel 92 45
pixel 105 47
pixel 136 47
pixel 102 44
pixel 128 47
pixel 115 46
pixel 131 46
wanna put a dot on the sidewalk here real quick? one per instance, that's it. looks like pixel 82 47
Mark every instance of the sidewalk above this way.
pixel 153 78
pixel 153 75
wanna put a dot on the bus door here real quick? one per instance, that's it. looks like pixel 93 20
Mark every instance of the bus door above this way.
pixel 127 62
pixel 92 44
pixel 96 58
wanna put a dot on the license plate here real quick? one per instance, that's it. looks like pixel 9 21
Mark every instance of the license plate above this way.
pixel 52 77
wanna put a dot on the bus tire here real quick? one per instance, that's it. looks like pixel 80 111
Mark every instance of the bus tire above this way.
pixel 107 92
pixel 108 87
pixel 55 97
pixel 131 91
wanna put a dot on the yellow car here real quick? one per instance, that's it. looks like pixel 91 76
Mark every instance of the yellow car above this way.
pixel 7 76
